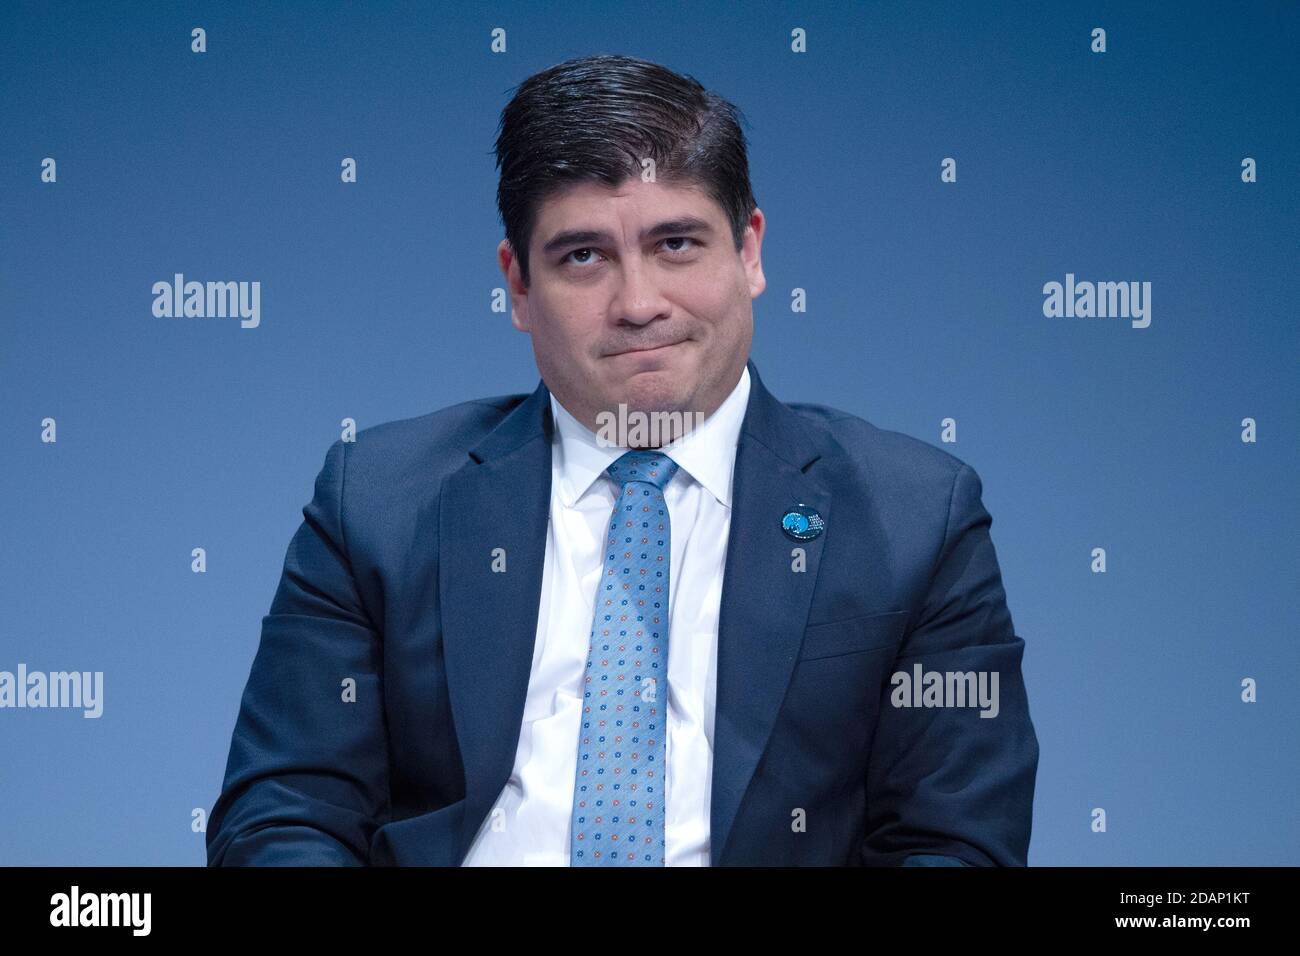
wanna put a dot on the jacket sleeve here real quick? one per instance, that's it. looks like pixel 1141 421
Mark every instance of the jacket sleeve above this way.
pixel 946 781
pixel 306 782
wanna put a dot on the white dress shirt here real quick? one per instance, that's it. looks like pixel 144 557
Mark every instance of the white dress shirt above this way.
pixel 531 821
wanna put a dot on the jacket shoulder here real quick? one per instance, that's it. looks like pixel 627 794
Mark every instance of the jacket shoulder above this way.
pixel 428 445
pixel 886 454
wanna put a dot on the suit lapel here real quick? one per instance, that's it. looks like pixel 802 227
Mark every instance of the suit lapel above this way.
pixel 501 499
pixel 765 603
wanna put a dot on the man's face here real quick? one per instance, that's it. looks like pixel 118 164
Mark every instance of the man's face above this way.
pixel 637 296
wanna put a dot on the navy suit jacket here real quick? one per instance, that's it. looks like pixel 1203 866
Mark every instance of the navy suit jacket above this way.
pixel 389 582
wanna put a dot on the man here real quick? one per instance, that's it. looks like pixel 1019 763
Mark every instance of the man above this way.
pixel 501 639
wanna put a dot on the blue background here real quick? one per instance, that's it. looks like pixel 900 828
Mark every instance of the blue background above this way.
pixel 924 301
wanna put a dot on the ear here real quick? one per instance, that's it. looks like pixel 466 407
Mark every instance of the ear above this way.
pixel 515 285
pixel 751 250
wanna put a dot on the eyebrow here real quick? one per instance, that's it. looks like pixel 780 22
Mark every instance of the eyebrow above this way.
pixel 585 237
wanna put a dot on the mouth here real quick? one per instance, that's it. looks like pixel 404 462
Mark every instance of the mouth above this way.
pixel 651 350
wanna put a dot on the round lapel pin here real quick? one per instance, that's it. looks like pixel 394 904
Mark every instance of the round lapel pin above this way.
pixel 802 523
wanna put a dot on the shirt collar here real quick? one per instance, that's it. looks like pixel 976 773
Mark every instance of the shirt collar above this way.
pixel 707 453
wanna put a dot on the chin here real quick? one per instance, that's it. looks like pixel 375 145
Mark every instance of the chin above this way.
pixel 654 391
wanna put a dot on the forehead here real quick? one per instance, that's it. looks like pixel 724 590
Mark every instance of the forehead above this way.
pixel 593 205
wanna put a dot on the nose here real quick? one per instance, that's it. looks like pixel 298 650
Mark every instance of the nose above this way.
pixel 638 299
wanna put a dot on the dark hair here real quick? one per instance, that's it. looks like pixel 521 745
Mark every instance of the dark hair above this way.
pixel 595 118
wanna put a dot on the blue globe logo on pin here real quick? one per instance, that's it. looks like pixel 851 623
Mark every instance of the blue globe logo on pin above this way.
pixel 802 523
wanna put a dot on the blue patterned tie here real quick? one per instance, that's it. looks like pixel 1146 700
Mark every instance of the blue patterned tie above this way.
pixel 618 793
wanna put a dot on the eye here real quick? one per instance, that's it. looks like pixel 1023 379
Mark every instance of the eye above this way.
pixel 579 252
pixel 586 255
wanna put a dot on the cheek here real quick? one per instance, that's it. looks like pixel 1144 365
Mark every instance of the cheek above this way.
pixel 559 318
pixel 698 295
pixel 720 309
pixel 717 291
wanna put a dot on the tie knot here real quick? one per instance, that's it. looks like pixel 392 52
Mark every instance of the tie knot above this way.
pixel 649 465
